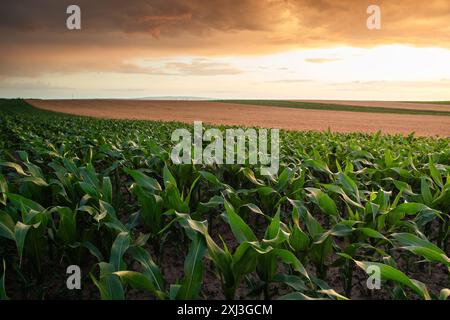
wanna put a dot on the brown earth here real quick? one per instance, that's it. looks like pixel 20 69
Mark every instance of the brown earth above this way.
pixel 249 115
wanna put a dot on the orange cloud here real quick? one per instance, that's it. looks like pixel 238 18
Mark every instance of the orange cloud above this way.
pixel 320 60
pixel 35 39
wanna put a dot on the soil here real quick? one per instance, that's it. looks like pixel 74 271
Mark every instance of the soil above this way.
pixel 249 115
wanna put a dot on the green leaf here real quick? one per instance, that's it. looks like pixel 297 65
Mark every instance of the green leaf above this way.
pixel 289 258
pixel 67 225
pixel 139 281
pixel 20 233
pixel 325 203
pixel 151 206
pixel 168 178
pixel 274 227
pixel 390 273
pixel 35 180
pixel 109 284
pixel 3 295
pixel 298 239
pixel 425 191
pixel 89 189
pixel 336 189
pixel 173 199
pixel 266 192
pixel 250 175
pixel 93 250
pixel 285 176
pixel 118 249
pixel 312 225
pixel 254 208
pixel 245 258
pixel 318 165
pixel 240 229
pixel 143 180
pixel 422 247
pixel 348 184
pixel 173 291
pixel 295 282
pixel 339 230
pixel 3 189
pixel 20 201
pixel 14 166
pixel 372 233
pixel 221 258
pixel 388 158
pixel 275 234
pixel 211 178
pixel 187 199
pixel 214 202
pixel 404 209
pixel 150 269
pixel 107 190
pixel 435 174
pixel 6 226
pixel 193 270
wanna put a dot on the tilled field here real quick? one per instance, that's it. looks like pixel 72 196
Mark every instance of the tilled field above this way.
pixel 249 115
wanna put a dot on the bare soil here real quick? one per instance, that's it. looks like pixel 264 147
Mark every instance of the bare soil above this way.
pixel 249 115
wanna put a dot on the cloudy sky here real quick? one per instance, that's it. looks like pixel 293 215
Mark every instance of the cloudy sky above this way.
pixel 310 49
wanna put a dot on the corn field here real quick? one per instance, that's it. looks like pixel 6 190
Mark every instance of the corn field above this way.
pixel 104 195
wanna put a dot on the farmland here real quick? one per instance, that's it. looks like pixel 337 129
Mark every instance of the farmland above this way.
pixel 103 194
pixel 353 106
pixel 424 120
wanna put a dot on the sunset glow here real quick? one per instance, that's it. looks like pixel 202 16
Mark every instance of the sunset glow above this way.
pixel 293 49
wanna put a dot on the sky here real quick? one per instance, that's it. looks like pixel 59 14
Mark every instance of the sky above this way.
pixel 252 49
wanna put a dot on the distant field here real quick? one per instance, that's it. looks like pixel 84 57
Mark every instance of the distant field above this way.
pixel 432 102
pixel 253 115
pixel 352 106
pixel 388 104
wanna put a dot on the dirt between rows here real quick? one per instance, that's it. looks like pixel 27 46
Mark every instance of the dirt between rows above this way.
pixel 249 115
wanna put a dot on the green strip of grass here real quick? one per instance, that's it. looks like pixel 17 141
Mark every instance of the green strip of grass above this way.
pixel 430 102
pixel 336 107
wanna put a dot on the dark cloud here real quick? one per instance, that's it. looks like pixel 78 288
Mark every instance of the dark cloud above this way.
pixel 155 17
pixel 34 38
pixel 308 20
